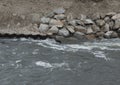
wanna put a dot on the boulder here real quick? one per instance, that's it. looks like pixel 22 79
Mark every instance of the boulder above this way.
pixel 59 16
pixel 88 22
pixel 70 29
pixel 117 25
pixel 115 17
pixel 111 34
pixel 100 34
pixel 50 15
pixel 105 28
pixel 95 28
pixel 53 30
pixel 79 35
pixel 43 28
pixel 89 30
pixel 59 11
pixel 80 29
pixel 80 22
pixel 63 32
pixel 110 14
pixel 45 20
pixel 73 23
pixel 90 36
pixel 56 23
pixel 114 35
pixel 111 24
pixel 100 22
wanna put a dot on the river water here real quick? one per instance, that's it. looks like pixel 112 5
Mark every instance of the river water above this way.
pixel 46 62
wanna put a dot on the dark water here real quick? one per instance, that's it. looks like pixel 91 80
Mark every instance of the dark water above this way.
pixel 45 62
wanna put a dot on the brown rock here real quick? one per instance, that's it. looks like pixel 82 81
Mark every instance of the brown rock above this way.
pixel 80 29
pixel 91 36
pixel 95 28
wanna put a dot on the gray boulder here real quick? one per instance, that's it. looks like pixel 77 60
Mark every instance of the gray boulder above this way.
pixel 88 22
pixel 63 32
pixel 100 22
pixel 53 29
pixel 95 28
pixel 117 24
pixel 43 28
pixel 59 16
pixel 111 34
pixel 115 17
pixel 105 28
pixel 89 30
pixel 45 20
pixel 80 29
pixel 79 35
pixel 70 29
pixel 57 23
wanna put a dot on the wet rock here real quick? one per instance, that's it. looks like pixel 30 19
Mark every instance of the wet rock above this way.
pixel 88 22
pixel 45 20
pixel 53 30
pixel 100 22
pixel 59 16
pixel 43 28
pixel 59 11
pixel 70 29
pixel 105 28
pixel 115 17
pixel 95 28
pixel 57 23
pixel 79 35
pixel 63 32
pixel 80 29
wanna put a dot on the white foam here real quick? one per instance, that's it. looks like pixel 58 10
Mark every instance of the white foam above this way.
pixel 100 54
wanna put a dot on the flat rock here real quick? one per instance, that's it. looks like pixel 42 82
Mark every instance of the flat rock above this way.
pixel 59 16
pixel 59 11
pixel 70 29
pixel 43 28
pixel 63 32
pixel 45 20
pixel 56 23
pixel 117 16
pixel 53 30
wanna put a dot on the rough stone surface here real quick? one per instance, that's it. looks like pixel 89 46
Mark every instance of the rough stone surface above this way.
pixel 90 36
pixel 95 28
pixel 79 35
pixel 70 29
pixel 43 28
pixel 89 30
pixel 57 23
pixel 88 22
pixel 64 32
pixel 53 29
pixel 117 25
pixel 108 34
pixel 105 28
pixel 73 23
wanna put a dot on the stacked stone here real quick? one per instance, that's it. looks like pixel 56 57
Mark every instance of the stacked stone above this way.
pixel 96 26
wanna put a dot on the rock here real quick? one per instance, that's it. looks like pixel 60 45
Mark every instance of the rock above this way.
pixel 117 25
pixel 88 22
pixel 45 20
pixel 114 35
pixel 107 19
pixel 105 28
pixel 83 17
pixel 50 15
pixel 70 29
pixel 89 30
pixel 95 28
pixel 80 29
pixel 111 24
pixel 110 14
pixel 115 17
pixel 59 16
pixel 57 23
pixel 95 16
pixel 73 23
pixel 100 22
pixel 100 34
pixel 63 32
pixel 90 36
pixel 43 28
pixel 80 22
pixel 118 30
pixel 53 30
pixel 79 35
pixel 59 11
pixel 111 34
